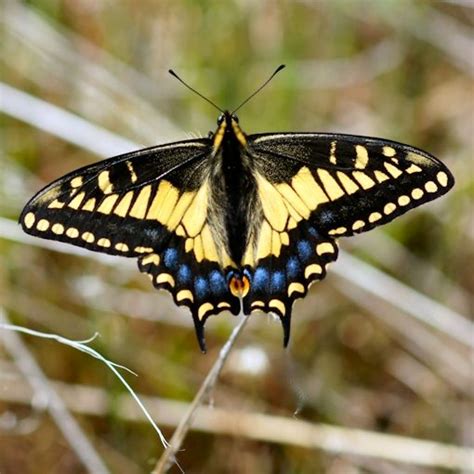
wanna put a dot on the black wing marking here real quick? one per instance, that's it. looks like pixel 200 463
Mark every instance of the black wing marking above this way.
pixel 350 184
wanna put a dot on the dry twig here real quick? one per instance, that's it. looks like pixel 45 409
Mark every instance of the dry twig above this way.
pixel 209 382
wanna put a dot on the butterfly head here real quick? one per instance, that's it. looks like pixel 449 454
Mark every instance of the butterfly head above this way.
pixel 228 118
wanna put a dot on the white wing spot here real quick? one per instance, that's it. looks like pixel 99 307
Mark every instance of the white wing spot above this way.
pixel 374 217
pixel 338 231
pixel 362 157
pixel 76 182
pixel 442 178
pixel 103 242
pixel 403 200
pixel 43 225
pixel 72 233
pixel 389 151
pixel 358 225
pixel 121 247
pixel 413 169
pixel 88 237
pixel 431 187
pixel 133 175
pixel 332 153
pixel 104 182
pixel 324 247
pixel 389 208
pixel 29 220
pixel 58 229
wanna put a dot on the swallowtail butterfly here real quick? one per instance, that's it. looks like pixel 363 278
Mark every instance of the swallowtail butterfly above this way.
pixel 236 222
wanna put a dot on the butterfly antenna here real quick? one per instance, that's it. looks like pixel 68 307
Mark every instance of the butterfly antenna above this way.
pixel 277 70
pixel 194 90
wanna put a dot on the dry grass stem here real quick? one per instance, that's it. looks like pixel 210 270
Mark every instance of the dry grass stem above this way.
pixel 206 387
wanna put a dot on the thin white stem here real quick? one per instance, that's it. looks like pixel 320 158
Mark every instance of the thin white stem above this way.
pixel 83 347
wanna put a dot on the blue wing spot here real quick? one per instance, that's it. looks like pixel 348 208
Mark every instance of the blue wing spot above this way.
pixel 327 217
pixel 277 282
pixel 201 287
pixel 184 274
pixel 229 276
pixel 217 281
pixel 293 267
pixel 260 279
pixel 313 232
pixel 304 250
pixel 170 258
pixel 153 234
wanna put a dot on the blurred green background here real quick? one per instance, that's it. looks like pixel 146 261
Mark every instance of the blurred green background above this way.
pixel 395 69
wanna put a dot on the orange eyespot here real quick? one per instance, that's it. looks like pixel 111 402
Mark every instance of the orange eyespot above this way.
pixel 239 287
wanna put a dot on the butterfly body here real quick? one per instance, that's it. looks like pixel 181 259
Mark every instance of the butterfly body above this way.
pixel 236 222
pixel 234 184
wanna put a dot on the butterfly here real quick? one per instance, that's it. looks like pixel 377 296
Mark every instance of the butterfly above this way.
pixel 236 222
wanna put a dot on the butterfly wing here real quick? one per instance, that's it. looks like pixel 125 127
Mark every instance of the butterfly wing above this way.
pixel 151 204
pixel 110 206
pixel 351 183
pixel 314 188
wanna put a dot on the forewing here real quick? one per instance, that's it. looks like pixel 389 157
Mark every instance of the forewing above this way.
pixel 118 205
pixel 350 184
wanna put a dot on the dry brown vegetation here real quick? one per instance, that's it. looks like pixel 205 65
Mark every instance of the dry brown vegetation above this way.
pixel 381 353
